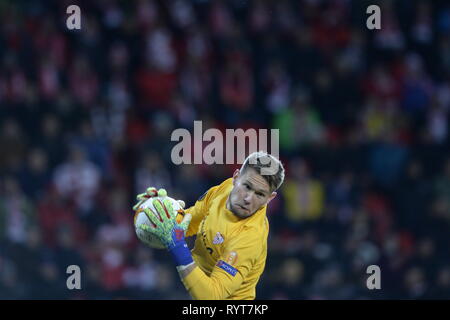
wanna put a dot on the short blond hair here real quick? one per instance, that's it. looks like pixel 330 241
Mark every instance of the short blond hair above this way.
pixel 261 162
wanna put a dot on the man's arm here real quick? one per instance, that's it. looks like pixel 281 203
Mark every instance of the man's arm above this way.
pixel 202 287
pixel 226 276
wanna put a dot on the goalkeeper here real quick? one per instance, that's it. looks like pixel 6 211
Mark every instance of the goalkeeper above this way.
pixel 231 226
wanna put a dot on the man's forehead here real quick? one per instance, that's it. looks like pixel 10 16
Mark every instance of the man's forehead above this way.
pixel 256 180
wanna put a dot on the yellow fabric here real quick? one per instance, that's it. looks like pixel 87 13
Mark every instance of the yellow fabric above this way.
pixel 244 247
pixel 303 202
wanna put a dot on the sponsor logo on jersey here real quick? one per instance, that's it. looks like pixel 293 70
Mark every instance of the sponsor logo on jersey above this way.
pixel 225 266
pixel 218 239
pixel 231 257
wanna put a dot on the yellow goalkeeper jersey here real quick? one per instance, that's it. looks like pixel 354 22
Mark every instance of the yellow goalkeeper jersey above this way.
pixel 230 252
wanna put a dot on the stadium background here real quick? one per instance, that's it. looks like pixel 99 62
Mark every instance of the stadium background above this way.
pixel 363 115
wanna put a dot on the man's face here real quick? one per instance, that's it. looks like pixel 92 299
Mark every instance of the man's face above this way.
pixel 250 192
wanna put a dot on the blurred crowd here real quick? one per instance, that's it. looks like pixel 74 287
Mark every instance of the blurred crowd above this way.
pixel 86 118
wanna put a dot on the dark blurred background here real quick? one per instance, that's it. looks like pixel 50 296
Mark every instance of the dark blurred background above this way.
pixel 86 117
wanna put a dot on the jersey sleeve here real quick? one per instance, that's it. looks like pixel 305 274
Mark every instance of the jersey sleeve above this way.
pixel 240 255
pixel 199 211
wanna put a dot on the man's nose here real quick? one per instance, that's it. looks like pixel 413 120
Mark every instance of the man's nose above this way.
pixel 248 198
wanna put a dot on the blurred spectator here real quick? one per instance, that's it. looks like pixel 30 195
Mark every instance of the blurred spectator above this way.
pixel 412 213
pixel 417 88
pixel 236 85
pixel 390 37
pixel 304 195
pixel 17 212
pixel 442 184
pixel 386 159
pixel 83 81
pixel 156 80
pixel 291 275
pixel 78 179
pixel 54 214
pixel 151 172
pixel 35 176
pixel 12 138
pixel 96 149
pixel 115 228
pixel 52 139
pixel 66 251
pixel 299 125
pixel 415 283
pixel 441 284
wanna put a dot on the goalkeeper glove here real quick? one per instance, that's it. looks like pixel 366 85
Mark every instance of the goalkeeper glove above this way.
pixel 167 229
pixel 149 193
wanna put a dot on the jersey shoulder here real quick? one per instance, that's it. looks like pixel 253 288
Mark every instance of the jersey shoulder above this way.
pixel 213 192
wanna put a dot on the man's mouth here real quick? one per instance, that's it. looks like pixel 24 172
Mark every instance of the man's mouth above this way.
pixel 243 207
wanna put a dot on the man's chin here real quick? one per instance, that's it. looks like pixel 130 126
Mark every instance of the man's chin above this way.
pixel 241 213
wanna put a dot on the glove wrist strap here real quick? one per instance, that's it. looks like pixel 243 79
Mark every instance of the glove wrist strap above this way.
pixel 181 254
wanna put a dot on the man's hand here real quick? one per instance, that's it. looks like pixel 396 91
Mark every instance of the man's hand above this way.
pixel 166 228
pixel 149 193
pixel 152 192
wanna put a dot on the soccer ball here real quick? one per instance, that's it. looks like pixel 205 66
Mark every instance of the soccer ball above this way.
pixel 140 217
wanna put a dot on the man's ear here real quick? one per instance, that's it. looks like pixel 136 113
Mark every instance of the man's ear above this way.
pixel 273 195
pixel 235 176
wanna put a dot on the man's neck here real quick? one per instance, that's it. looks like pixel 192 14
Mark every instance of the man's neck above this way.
pixel 228 207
